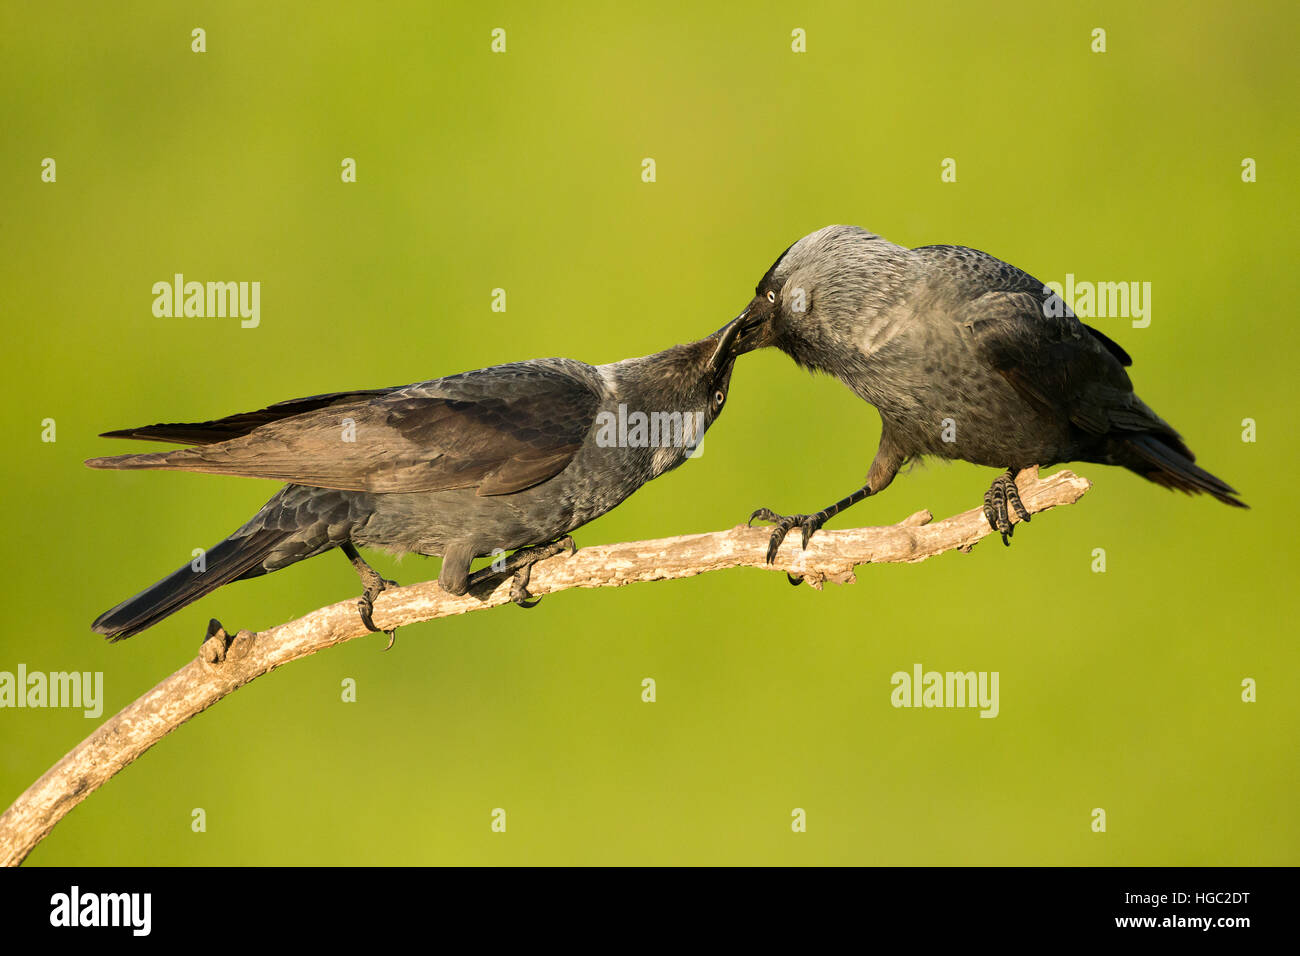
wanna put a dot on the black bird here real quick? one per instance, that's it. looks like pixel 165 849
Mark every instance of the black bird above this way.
pixel 965 357
pixel 510 457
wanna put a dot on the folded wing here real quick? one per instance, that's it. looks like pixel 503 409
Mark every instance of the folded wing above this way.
pixel 498 430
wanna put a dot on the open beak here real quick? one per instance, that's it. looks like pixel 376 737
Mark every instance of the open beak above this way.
pixel 742 334
pixel 727 336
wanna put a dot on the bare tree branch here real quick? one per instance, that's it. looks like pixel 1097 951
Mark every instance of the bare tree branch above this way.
pixel 225 665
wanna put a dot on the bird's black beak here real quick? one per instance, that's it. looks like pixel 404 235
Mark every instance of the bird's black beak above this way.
pixel 752 325
pixel 725 351
pixel 742 334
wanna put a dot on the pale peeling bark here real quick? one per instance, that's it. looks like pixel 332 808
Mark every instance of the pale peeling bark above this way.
pixel 831 556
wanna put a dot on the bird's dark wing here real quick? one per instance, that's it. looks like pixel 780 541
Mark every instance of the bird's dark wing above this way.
pixel 1022 330
pixel 976 273
pixel 498 430
pixel 1113 347
pixel 232 426
pixel 1053 360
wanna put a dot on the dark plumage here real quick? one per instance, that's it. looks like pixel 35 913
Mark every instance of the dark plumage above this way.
pixel 501 458
pixel 949 333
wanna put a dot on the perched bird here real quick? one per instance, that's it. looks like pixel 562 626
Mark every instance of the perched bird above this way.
pixel 965 357
pixel 510 457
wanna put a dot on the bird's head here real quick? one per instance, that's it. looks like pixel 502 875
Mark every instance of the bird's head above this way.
pixel 697 376
pixel 816 289
pixel 675 394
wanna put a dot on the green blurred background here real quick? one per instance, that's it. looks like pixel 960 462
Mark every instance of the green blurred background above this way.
pixel 522 171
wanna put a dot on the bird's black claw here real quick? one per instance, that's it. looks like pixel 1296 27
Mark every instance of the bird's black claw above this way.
pixel 783 526
pixel 518 568
pixel 811 524
pixel 374 584
pixel 1002 498
pixel 777 539
pixel 519 587
pixel 366 607
pixel 808 525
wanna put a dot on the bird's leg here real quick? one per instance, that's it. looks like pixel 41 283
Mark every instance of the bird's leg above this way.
pixel 374 584
pixel 808 524
pixel 883 469
pixel 1001 494
pixel 520 564
pixel 519 587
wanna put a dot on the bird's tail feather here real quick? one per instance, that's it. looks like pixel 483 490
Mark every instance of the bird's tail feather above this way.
pixel 226 562
pixel 1168 462
pixel 149 459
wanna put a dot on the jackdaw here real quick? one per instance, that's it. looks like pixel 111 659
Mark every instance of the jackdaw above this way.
pixel 965 357
pixel 510 457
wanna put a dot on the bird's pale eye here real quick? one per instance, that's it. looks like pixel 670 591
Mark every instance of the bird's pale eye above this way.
pixel 719 397
pixel 771 296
